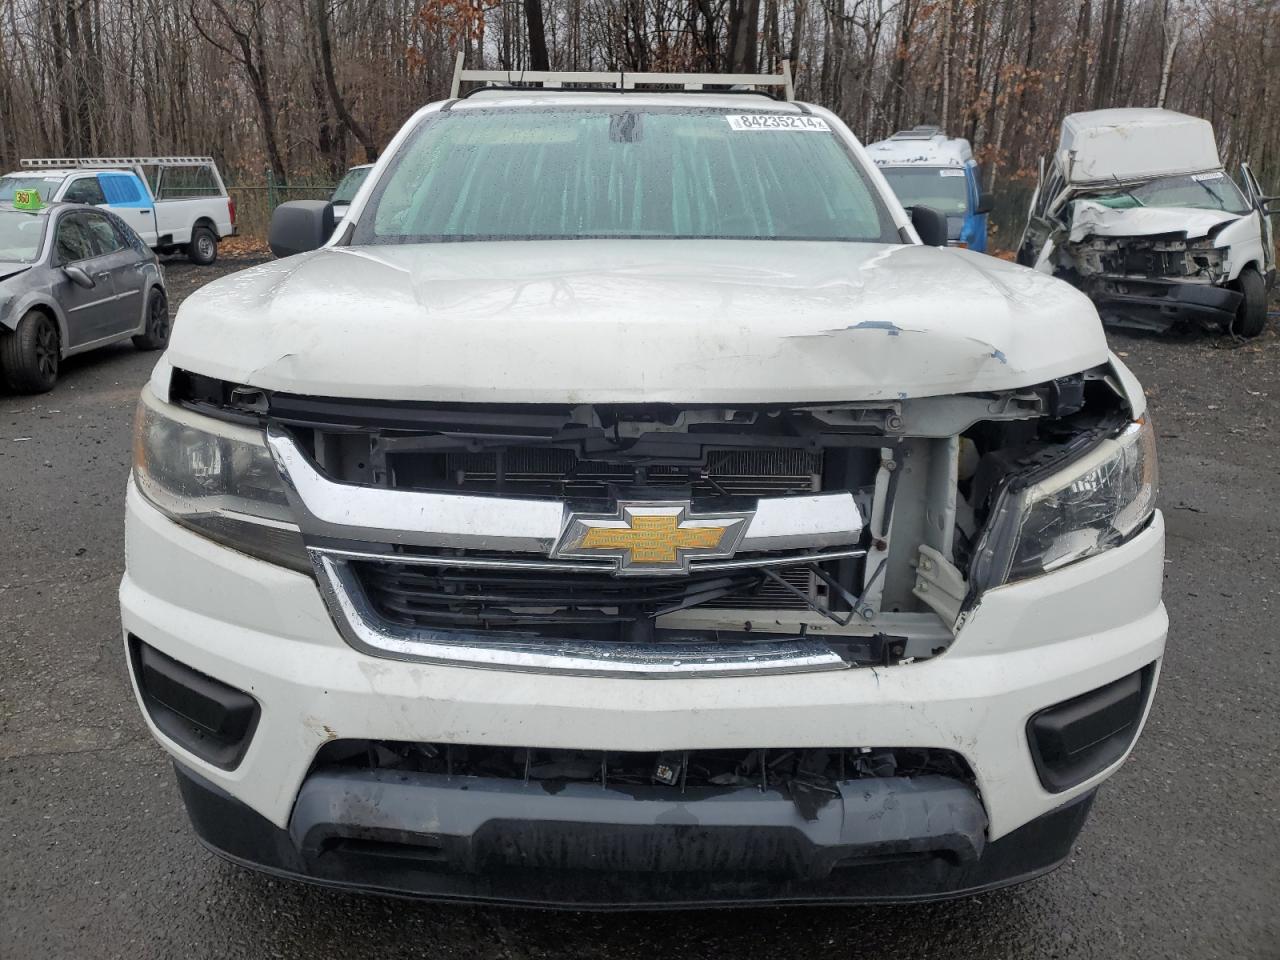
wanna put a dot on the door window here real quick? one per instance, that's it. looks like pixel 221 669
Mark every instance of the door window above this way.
pixel 74 241
pixel 104 236
pixel 129 236
pixel 85 190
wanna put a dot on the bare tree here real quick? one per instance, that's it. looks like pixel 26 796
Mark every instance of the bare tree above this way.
pixel 331 84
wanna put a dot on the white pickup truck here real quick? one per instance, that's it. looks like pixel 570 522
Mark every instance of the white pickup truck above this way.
pixel 173 203
pixel 631 504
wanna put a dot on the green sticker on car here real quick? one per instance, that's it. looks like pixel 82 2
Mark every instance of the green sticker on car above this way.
pixel 27 200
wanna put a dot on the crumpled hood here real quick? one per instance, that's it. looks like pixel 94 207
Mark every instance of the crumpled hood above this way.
pixel 625 321
pixel 1090 218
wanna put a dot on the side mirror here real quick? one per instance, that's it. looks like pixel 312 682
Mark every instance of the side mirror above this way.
pixel 931 224
pixel 299 226
pixel 79 277
pixel 1269 205
pixel 986 202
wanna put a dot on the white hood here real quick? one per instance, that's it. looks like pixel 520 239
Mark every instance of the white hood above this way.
pixel 625 321
pixel 1090 218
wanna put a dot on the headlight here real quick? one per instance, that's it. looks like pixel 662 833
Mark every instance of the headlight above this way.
pixel 1096 502
pixel 217 479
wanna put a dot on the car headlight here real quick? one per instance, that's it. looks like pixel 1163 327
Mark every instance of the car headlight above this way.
pixel 1094 503
pixel 217 479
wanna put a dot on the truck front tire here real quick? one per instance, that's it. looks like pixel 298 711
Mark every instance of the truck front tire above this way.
pixel 1251 317
pixel 203 248
pixel 29 355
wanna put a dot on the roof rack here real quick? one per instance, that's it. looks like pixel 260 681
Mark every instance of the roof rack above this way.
pixel 58 162
pixel 559 80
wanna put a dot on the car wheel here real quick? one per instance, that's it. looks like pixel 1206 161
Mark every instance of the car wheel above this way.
pixel 203 248
pixel 156 334
pixel 1251 315
pixel 29 355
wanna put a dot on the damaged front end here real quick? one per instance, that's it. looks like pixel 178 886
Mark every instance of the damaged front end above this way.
pixel 845 539
pixel 1153 282
pixel 658 540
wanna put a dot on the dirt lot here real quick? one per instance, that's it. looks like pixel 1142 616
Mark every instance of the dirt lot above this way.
pixel 1180 859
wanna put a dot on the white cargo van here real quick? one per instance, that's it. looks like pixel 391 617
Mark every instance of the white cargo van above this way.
pixel 1136 210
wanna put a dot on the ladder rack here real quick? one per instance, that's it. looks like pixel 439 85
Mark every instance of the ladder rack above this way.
pixel 50 163
pixel 558 79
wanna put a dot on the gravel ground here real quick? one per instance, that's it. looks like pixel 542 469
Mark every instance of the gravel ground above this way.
pixel 1181 857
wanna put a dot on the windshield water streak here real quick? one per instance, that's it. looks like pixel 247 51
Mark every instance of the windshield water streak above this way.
pixel 605 172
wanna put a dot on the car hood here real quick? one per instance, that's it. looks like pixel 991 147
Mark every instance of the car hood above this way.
pixel 1089 218
pixel 12 269
pixel 625 321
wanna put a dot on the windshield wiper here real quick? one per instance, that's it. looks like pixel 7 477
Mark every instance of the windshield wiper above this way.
pixel 1126 191
pixel 1211 192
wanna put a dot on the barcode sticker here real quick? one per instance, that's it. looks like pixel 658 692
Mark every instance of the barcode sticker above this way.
pixel 777 121
pixel 1216 175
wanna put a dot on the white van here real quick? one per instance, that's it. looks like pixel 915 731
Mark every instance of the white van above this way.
pixel 1137 211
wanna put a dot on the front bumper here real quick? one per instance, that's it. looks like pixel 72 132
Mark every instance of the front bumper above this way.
pixel 1155 304
pixel 583 847
pixel 265 630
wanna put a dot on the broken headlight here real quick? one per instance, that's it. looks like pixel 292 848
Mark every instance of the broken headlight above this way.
pixel 217 479
pixel 1094 503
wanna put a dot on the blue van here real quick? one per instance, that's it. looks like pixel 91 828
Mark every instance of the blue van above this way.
pixel 925 167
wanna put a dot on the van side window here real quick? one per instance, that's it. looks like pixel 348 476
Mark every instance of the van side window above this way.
pixel 85 190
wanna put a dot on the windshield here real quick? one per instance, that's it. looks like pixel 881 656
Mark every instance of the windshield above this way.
pixel 346 189
pixel 946 189
pixel 569 173
pixel 46 186
pixel 1203 191
pixel 20 236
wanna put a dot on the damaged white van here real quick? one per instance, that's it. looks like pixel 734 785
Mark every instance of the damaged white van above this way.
pixel 626 507
pixel 1137 211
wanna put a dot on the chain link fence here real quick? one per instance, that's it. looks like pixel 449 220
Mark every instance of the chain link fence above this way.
pixel 256 202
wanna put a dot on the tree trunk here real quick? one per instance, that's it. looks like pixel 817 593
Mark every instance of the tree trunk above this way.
pixel 1168 62
pixel 744 18
pixel 331 83
pixel 538 59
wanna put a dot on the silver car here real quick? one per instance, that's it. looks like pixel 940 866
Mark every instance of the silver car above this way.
pixel 72 278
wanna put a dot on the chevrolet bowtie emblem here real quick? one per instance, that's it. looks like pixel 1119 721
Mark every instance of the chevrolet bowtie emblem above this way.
pixel 651 537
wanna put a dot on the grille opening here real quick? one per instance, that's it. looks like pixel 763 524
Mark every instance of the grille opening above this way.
pixel 716 466
pixel 676 771
pixel 561 472
pixel 412 848
pixel 586 606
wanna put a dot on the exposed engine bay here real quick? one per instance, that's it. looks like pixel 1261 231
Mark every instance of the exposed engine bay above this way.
pixel 1171 255
pixel 925 477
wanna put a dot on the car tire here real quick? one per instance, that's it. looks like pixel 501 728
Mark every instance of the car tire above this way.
pixel 1251 315
pixel 203 248
pixel 29 355
pixel 155 336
